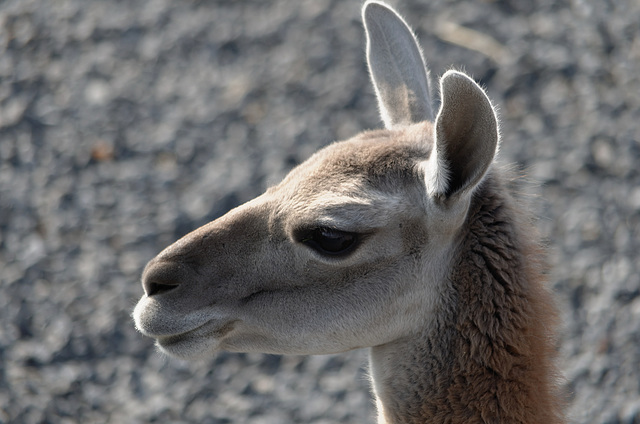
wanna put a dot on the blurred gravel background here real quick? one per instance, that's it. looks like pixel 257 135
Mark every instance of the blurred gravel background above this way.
pixel 124 125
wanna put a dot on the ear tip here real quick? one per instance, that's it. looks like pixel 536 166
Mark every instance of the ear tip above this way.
pixel 373 4
pixel 453 76
pixel 454 84
pixel 373 7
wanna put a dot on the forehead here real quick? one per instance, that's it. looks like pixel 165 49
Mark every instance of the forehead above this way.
pixel 359 184
pixel 382 160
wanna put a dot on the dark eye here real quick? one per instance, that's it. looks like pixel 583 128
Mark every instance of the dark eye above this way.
pixel 329 241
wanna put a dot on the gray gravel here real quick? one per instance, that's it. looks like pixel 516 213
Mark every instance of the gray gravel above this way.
pixel 124 125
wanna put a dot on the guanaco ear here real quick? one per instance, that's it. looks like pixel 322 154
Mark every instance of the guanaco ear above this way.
pixel 466 137
pixel 398 71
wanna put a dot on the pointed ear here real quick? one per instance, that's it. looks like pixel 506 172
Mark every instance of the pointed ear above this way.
pixel 397 68
pixel 466 138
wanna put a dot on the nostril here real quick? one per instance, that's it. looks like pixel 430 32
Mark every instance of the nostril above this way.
pixel 156 288
pixel 162 277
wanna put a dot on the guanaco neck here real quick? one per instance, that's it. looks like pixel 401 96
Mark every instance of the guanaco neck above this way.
pixel 487 355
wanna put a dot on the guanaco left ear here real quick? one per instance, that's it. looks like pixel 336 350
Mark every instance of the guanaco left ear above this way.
pixel 397 68
pixel 466 137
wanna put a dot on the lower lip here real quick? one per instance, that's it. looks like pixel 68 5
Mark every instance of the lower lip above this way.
pixel 210 330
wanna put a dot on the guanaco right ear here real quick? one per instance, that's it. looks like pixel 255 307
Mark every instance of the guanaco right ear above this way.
pixel 466 138
pixel 397 68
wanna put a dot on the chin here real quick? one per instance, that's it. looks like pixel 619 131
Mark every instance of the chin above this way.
pixel 188 350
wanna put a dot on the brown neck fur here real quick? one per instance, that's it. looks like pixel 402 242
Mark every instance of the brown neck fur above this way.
pixel 489 358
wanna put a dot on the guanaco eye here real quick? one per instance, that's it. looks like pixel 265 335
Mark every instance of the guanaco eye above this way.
pixel 329 241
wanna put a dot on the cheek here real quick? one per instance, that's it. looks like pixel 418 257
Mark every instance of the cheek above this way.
pixel 414 236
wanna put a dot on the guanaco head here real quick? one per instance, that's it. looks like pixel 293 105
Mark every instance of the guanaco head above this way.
pixel 352 248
